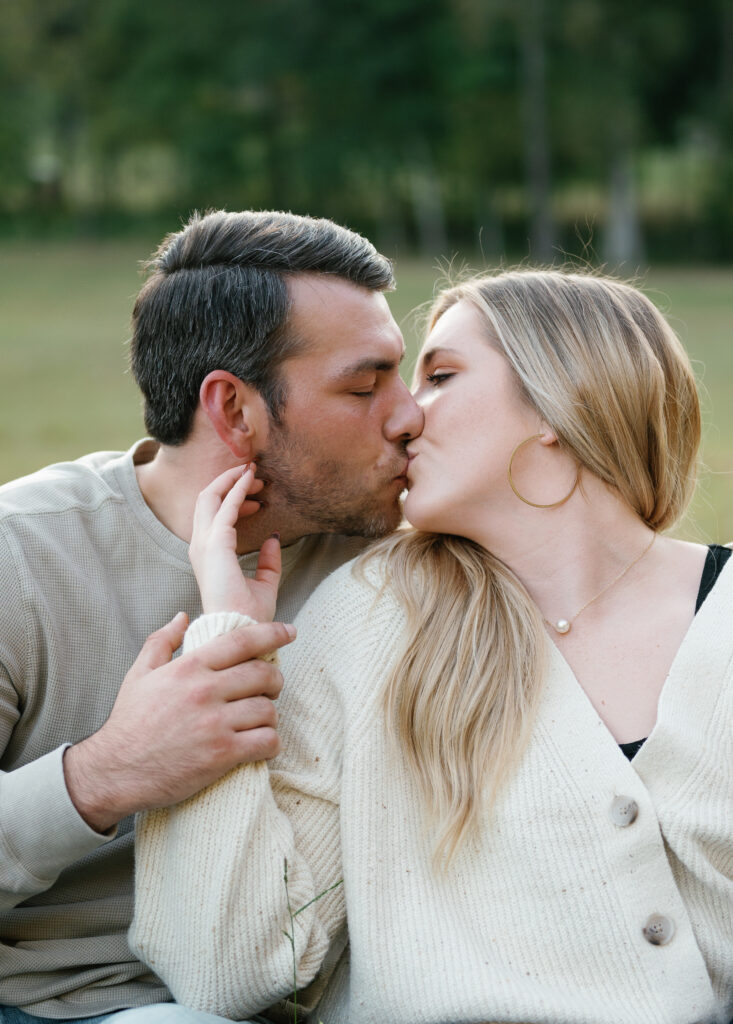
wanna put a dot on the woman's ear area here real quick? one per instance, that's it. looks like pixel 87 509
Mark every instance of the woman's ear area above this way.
pixel 546 435
pixel 236 411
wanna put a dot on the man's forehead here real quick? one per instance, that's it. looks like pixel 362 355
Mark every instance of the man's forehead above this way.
pixel 332 315
pixel 318 294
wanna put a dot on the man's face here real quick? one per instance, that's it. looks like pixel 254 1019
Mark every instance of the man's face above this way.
pixel 336 463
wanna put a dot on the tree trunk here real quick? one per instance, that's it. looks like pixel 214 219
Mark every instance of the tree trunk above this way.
pixel 427 204
pixel 622 241
pixel 536 137
pixel 489 229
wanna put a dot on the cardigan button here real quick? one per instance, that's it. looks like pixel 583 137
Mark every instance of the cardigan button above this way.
pixel 658 930
pixel 623 811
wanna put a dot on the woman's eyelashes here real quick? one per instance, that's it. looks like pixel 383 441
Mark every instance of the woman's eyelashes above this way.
pixel 436 379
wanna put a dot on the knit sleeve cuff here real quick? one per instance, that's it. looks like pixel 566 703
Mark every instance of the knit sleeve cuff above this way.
pixel 206 627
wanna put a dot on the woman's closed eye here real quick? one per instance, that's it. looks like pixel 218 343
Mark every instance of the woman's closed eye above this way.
pixel 436 379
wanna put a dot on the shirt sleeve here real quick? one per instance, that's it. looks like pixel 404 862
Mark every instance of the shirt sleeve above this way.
pixel 238 889
pixel 41 831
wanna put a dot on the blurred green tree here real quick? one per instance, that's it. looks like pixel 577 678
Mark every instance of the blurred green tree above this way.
pixel 421 121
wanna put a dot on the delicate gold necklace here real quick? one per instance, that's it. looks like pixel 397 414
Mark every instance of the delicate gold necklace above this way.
pixel 563 626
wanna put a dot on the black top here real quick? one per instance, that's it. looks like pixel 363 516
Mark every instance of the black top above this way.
pixel 716 559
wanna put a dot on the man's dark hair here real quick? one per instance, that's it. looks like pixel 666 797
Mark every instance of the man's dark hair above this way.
pixel 217 299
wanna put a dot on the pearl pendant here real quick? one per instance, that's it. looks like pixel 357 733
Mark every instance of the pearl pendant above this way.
pixel 562 626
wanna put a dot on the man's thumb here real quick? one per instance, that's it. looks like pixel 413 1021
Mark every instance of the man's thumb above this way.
pixel 159 647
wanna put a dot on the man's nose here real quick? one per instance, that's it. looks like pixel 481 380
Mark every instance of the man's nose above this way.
pixel 406 419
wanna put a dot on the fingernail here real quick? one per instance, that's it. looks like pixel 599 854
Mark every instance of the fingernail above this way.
pixel 290 630
pixel 276 535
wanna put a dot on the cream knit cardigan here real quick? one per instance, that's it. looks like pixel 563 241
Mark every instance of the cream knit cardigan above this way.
pixel 538 920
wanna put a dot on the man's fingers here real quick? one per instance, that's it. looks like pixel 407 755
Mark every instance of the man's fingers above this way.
pixel 159 647
pixel 250 679
pixel 252 713
pixel 243 644
pixel 257 744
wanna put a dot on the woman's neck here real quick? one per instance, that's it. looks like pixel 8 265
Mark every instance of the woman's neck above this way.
pixel 564 556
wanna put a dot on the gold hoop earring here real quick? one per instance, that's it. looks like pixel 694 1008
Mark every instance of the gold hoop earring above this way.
pixel 535 504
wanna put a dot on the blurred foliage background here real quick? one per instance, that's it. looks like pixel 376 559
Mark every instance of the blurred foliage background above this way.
pixel 484 131
pixel 601 127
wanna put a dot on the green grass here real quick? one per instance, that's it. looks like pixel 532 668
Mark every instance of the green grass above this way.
pixel 65 321
pixel 66 391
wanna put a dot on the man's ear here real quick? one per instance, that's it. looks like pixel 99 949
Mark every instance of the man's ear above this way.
pixel 236 411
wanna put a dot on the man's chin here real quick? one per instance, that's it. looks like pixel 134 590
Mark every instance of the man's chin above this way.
pixel 381 523
pixel 325 505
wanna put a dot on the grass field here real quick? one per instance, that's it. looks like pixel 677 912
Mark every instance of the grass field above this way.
pixel 66 391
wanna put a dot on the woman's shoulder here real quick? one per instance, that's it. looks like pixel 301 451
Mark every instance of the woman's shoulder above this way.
pixel 350 631
pixel 352 595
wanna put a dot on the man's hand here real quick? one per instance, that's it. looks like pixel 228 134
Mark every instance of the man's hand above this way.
pixel 177 726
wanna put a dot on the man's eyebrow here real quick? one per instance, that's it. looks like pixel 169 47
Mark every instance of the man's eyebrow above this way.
pixel 369 364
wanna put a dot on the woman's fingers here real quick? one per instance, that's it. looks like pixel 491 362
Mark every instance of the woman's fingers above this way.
pixel 226 497
pixel 232 501
pixel 269 563
pixel 209 500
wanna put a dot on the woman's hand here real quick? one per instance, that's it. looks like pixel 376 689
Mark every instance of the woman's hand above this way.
pixel 213 549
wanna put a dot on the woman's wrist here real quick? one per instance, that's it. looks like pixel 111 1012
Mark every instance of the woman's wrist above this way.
pixel 213 624
pixel 210 625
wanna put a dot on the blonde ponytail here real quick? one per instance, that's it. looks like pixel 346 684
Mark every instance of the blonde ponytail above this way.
pixel 460 702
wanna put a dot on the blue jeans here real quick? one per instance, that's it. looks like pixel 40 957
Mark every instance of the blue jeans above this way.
pixel 158 1013
pixel 12 1015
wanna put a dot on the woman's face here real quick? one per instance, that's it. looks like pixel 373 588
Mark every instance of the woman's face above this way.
pixel 474 418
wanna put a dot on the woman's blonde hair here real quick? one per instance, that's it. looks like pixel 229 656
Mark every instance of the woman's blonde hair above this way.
pixel 605 371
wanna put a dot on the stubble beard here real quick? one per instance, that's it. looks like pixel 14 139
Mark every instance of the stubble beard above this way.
pixel 318 499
